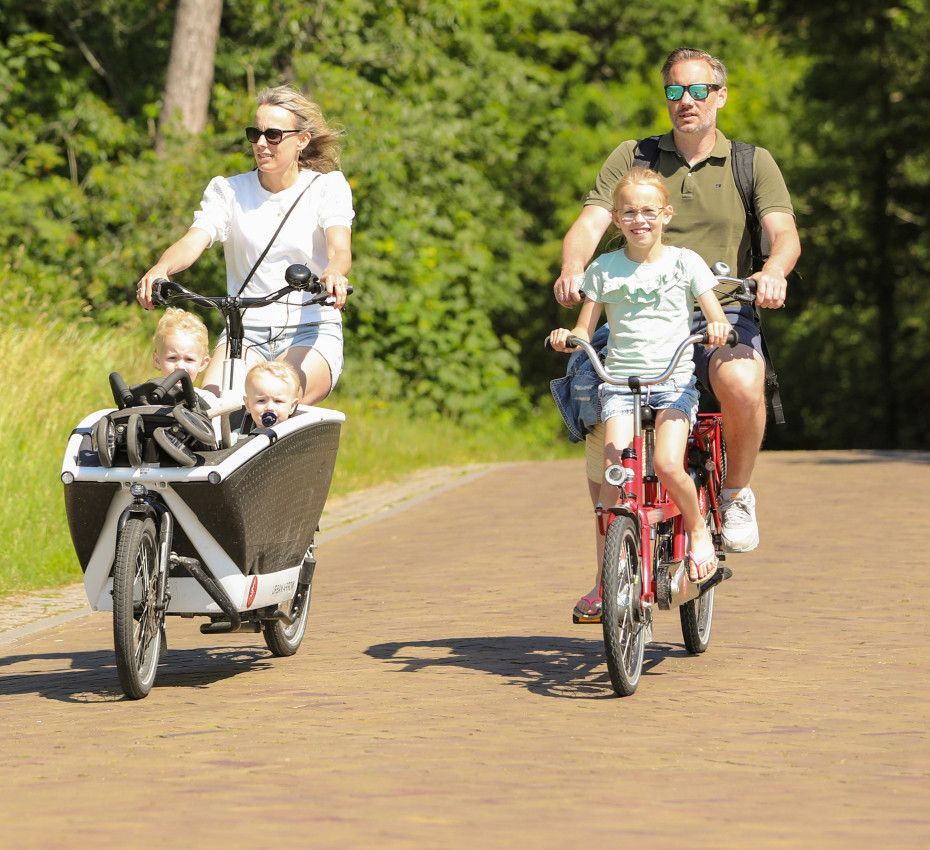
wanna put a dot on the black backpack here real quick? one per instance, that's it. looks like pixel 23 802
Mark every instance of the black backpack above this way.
pixel 646 155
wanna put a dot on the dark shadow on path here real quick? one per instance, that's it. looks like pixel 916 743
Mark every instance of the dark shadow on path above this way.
pixel 90 677
pixel 857 457
pixel 551 666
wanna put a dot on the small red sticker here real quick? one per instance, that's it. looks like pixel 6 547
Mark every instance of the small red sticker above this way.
pixel 253 589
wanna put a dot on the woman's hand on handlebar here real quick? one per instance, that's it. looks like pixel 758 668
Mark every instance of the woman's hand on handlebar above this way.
pixel 176 258
pixel 144 286
pixel 337 285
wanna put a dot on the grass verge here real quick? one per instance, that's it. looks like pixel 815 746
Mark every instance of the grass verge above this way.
pixel 66 378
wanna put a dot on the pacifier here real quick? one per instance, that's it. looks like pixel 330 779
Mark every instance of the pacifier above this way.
pixel 269 417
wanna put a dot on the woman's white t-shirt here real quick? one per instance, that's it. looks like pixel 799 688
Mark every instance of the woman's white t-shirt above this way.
pixel 239 212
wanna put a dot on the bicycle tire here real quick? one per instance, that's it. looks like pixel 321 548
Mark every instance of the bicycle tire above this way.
pixel 697 616
pixel 283 640
pixel 624 630
pixel 137 612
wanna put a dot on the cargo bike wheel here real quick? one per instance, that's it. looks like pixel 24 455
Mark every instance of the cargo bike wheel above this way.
pixel 138 612
pixel 621 617
pixel 284 639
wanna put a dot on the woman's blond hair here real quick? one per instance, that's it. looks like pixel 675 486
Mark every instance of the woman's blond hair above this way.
pixel 175 321
pixel 640 176
pixel 322 152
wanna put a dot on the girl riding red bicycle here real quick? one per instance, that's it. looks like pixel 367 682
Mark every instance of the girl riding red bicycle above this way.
pixel 648 290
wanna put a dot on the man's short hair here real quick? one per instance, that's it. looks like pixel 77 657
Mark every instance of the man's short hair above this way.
pixel 176 321
pixel 280 369
pixel 692 54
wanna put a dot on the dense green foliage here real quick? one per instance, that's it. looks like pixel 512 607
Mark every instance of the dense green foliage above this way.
pixel 473 130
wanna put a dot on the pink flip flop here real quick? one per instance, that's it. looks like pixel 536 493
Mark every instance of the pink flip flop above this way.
pixel 587 609
pixel 703 556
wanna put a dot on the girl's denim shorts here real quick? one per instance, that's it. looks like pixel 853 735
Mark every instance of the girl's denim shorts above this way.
pixel 679 394
pixel 271 342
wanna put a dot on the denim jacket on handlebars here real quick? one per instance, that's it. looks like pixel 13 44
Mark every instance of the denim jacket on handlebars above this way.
pixel 576 394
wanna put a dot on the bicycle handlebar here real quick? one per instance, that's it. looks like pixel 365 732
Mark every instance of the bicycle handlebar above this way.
pixel 588 349
pixel 299 279
pixel 743 288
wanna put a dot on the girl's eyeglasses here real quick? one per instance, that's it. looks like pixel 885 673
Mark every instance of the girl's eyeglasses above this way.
pixel 648 213
pixel 272 135
pixel 698 91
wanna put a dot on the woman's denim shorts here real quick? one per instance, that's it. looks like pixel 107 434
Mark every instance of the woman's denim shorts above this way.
pixel 678 394
pixel 270 342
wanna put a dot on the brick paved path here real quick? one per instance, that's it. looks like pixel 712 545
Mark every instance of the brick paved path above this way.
pixel 443 698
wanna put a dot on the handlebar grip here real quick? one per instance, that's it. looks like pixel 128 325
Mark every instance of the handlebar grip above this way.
pixel 157 396
pixel 732 339
pixel 122 395
pixel 159 291
pixel 568 344
pixel 187 387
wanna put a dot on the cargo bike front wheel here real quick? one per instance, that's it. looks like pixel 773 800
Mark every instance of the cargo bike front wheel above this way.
pixel 138 607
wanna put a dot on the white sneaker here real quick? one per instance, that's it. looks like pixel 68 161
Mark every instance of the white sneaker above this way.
pixel 740 531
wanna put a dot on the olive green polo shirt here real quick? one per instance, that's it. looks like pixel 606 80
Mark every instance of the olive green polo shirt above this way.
pixel 709 216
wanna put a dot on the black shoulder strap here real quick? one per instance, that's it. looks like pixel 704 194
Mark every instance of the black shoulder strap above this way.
pixel 646 154
pixel 741 157
pixel 274 236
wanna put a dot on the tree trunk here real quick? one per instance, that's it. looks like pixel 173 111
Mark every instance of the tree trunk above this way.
pixel 190 68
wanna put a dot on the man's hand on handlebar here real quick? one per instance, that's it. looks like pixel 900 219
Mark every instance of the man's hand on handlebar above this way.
pixel 771 289
pixel 567 289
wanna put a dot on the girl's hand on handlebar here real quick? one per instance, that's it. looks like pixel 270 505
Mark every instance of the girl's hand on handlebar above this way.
pixel 558 339
pixel 771 289
pixel 337 285
pixel 717 333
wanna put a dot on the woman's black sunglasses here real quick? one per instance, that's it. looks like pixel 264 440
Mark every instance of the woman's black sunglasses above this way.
pixel 272 135
pixel 698 91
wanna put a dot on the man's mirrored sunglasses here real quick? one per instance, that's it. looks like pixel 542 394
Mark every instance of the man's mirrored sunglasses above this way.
pixel 698 91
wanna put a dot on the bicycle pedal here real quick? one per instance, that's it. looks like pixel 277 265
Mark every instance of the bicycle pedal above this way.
pixel 586 621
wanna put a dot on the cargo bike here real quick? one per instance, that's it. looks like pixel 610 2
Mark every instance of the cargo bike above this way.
pixel 177 507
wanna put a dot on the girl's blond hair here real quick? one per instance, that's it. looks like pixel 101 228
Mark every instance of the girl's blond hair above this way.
pixel 322 152
pixel 640 176
pixel 175 321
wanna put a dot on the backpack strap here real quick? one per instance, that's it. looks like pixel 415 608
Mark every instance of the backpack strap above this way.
pixel 741 157
pixel 646 153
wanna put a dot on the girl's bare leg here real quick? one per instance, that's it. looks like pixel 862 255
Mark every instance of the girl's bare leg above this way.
pixel 672 429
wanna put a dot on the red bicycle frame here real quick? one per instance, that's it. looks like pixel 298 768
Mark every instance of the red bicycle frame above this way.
pixel 643 498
